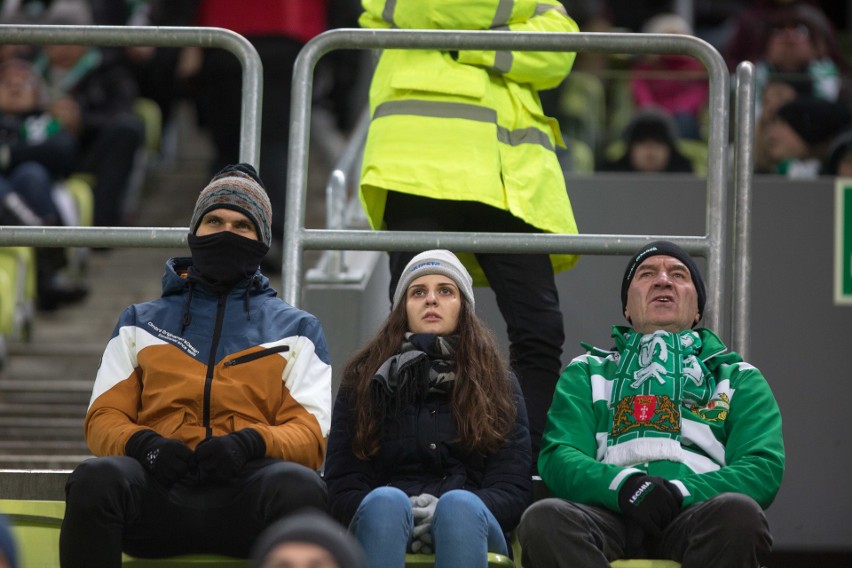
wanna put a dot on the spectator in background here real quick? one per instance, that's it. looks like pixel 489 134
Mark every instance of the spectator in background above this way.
pixel 36 153
pixel 92 96
pixel 650 145
pixel 778 91
pixel 839 162
pixel 308 539
pixel 672 82
pixel 796 48
pixel 752 26
pixel 797 141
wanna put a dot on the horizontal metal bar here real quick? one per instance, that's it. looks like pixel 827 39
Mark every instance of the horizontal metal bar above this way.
pixel 318 239
pixel 139 237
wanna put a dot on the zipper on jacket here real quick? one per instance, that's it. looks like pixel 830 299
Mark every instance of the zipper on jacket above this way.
pixel 257 355
pixel 211 363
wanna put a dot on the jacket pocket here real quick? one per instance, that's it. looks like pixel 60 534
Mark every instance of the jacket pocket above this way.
pixel 257 355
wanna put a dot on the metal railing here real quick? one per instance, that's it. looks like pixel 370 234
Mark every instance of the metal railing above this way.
pixel 744 174
pixel 712 245
pixel 151 36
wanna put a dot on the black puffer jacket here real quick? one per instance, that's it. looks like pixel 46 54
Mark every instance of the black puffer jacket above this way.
pixel 418 455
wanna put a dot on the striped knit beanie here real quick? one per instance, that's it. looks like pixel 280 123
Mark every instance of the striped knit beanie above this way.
pixel 236 187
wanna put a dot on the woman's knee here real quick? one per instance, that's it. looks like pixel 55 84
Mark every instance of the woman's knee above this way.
pixel 459 504
pixel 383 507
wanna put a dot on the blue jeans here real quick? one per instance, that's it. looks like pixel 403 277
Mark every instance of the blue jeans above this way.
pixel 463 530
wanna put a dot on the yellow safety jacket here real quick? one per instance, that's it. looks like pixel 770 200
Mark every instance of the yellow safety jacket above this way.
pixel 468 125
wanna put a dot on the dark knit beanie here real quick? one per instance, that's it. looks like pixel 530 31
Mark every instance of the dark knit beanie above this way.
pixel 664 248
pixel 312 527
pixel 651 124
pixel 815 120
pixel 236 187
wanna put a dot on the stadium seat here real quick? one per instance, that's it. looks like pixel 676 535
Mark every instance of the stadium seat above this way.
pixel 642 563
pixel 428 561
pixel 19 292
pixel 36 525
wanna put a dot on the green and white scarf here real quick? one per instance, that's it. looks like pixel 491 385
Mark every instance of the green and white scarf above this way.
pixel 654 372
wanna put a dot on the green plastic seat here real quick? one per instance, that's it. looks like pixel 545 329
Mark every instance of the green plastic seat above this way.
pixel 643 563
pixel 19 291
pixel 428 561
pixel 36 525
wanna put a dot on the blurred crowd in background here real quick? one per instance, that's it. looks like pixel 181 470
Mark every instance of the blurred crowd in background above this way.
pixel 99 117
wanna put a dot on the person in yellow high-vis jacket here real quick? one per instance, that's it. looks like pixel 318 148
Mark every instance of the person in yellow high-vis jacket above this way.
pixel 458 142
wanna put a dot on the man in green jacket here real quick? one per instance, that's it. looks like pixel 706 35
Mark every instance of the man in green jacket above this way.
pixel 666 446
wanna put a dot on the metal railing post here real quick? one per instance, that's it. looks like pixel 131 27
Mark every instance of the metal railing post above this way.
pixel 744 172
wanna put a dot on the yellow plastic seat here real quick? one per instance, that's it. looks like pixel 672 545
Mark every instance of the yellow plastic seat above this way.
pixel 643 563
pixel 152 116
pixel 19 292
pixel 36 526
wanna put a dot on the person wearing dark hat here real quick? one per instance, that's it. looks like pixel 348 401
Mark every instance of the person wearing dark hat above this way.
pixel 650 140
pixel 308 539
pixel 665 446
pixel 211 406
pixel 429 448
pixel 798 140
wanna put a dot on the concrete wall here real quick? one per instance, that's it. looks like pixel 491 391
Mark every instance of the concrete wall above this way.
pixel 799 339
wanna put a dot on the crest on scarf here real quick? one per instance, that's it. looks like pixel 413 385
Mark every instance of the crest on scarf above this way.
pixel 646 412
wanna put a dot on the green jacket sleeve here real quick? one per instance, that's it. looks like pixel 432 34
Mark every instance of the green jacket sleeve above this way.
pixel 568 461
pixel 754 447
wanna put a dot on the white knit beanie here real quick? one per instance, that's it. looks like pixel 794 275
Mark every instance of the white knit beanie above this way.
pixel 435 262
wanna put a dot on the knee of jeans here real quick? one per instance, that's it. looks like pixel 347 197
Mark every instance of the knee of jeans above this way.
pixel 386 497
pixel 382 505
pixel 460 505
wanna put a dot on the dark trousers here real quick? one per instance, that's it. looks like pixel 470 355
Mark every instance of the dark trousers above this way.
pixel 111 155
pixel 728 530
pixel 113 504
pixel 523 285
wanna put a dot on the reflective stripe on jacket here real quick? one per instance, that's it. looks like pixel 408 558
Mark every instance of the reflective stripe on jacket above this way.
pixel 468 125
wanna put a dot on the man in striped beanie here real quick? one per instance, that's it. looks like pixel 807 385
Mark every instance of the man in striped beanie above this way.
pixel 212 404
pixel 231 228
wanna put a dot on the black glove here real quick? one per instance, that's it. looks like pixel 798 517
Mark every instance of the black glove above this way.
pixel 652 502
pixel 220 458
pixel 166 459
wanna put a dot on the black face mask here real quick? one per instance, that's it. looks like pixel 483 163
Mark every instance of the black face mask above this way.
pixel 222 260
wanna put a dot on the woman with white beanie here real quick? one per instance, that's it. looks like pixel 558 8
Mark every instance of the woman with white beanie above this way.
pixel 429 447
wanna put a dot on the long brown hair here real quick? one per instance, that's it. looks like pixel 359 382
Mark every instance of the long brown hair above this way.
pixel 482 397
